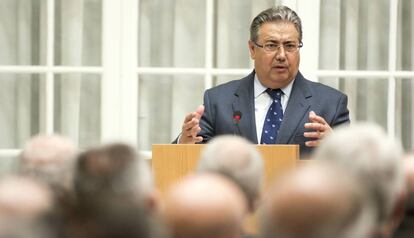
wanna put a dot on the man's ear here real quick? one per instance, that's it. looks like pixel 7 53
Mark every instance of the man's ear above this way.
pixel 252 50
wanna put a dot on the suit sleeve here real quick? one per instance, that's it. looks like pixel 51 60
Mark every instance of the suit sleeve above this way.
pixel 342 113
pixel 207 122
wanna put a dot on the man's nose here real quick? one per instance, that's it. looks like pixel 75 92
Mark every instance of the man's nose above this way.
pixel 280 54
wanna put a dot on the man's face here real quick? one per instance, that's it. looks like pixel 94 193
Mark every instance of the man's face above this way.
pixel 275 69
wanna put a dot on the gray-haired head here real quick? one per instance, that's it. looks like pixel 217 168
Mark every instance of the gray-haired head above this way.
pixel 237 159
pixel 319 200
pixel 113 170
pixel 275 14
pixel 49 158
pixel 373 157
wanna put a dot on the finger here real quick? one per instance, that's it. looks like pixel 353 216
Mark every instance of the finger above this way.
pixel 199 111
pixel 189 125
pixel 314 134
pixel 312 113
pixel 315 118
pixel 316 126
pixel 198 139
pixel 189 116
pixel 194 131
pixel 312 143
pixel 192 137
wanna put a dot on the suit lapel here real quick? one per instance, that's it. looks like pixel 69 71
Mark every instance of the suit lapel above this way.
pixel 296 110
pixel 244 103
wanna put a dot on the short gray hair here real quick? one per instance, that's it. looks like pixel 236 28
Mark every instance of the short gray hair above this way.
pixel 274 14
pixel 374 157
pixel 114 169
pixel 319 200
pixel 237 159
pixel 50 159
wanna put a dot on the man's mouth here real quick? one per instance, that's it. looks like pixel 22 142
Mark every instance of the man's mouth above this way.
pixel 280 67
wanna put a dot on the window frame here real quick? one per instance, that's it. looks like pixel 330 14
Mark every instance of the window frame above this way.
pixel 120 72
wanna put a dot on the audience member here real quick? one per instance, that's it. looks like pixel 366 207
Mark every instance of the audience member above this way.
pixel 374 158
pixel 237 159
pixel 205 206
pixel 353 189
pixel 406 228
pixel 114 170
pixel 110 217
pixel 23 198
pixel 317 201
pixel 114 195
pixel 49 158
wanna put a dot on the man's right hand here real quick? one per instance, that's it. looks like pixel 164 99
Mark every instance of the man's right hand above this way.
pixel 191 127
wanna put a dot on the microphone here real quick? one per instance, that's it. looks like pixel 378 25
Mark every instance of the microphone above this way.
pixel 237 115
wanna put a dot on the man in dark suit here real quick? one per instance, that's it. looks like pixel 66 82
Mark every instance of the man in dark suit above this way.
pixel 274 104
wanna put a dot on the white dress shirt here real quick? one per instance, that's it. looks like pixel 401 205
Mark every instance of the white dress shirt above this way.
pixel 262 102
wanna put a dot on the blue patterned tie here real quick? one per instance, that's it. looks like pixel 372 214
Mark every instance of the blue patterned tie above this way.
pixel 273 118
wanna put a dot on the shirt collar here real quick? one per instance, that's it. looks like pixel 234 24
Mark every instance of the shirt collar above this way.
pixel 259 88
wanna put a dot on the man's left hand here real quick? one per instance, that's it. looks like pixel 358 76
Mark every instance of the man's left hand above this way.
pixel 320 129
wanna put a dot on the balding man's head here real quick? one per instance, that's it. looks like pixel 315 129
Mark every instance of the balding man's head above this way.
pixel 237 159
pixel 49 158
pixel 317 201
pixel 205 206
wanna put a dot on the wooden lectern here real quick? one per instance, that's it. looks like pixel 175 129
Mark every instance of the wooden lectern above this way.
pixel 171 162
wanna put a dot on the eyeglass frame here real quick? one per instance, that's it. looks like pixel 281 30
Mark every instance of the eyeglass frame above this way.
pixel 294 50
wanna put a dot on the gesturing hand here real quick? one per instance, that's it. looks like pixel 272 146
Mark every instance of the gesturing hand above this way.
pixel 321 129
pixel 191 127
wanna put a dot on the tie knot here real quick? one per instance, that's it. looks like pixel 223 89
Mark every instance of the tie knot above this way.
pixel 275 93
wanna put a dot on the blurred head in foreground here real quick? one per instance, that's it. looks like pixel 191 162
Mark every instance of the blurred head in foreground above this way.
pixel 236 158
pixel 317 201
pixel 205 206
pixel 374 158
pixel 114 195
pixel 113 170
pixel 50 159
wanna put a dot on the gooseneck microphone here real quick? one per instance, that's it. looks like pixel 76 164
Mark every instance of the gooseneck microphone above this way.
pixel 237 115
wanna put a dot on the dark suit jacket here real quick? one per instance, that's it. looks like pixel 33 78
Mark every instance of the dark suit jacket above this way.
pixel 223 101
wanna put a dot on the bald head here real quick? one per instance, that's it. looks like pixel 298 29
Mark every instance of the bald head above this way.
pixel 317 201
pixel 237 159
pixel 205 206
pixel 23 198
pixel 49 158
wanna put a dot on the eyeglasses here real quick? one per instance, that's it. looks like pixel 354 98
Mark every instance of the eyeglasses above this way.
pixel 271 47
